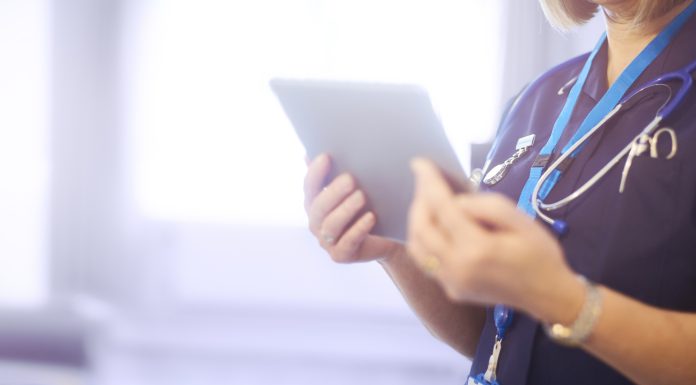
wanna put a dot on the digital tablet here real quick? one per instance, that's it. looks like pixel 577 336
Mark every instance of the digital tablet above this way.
pixel 372 131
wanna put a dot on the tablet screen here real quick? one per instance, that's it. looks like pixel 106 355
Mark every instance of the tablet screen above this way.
pixel 372 131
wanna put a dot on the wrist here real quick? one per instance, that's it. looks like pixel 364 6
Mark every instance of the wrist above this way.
pixel 394 253
pixel 575 333
pixel 561 302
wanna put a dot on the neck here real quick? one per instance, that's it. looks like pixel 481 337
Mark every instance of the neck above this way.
pixel 625 41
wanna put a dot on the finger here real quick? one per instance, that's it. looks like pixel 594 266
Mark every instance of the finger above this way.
pixel 435 192
pixel 328 199
pixel 426 261
pixel 317 171
pixel 460 227
pixel 423 230
pixel 338 220
pixel 426 242
pixel 434 240
pixel 354 237
pixel 429 182
pixel 494 210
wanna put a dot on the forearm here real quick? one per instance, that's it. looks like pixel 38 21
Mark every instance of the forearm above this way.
pixel 650 346
pixel 455 324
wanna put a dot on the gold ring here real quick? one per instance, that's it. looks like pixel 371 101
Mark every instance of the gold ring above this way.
pixel 430 264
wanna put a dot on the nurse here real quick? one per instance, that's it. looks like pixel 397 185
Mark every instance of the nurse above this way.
pixel 612 300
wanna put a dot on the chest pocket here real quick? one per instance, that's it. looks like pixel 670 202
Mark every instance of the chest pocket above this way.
pixel 645 213
pixel 644 216
pixel 641 228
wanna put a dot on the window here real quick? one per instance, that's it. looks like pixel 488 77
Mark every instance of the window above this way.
pixel 24 70
pixel 211 142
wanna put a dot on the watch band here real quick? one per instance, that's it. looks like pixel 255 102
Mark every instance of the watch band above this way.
pixel 584 324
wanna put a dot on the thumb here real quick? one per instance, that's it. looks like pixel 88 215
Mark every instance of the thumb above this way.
pixel 429 182
pixel 494 210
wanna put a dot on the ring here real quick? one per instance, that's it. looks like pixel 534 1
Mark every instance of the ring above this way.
pixel 430 264
pixel 328 239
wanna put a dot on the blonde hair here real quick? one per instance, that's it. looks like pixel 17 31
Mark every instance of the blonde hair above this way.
pixel 566 14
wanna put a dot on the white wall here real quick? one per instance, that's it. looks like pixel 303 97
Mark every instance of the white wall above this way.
pixel 532 46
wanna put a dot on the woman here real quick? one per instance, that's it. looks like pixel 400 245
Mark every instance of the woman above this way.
pixel 636 323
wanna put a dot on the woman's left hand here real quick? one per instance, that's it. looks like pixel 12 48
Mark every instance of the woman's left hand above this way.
pixel 481 248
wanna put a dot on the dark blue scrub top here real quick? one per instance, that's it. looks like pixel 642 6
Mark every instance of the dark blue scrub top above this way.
pixel 641 243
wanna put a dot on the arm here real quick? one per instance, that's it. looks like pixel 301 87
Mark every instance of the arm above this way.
pixel 490 252
pixel 650 346
pixel 458 325
pixel 332 211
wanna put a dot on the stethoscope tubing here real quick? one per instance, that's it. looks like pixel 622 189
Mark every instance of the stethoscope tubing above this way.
pixel 663 112
pixel 538 205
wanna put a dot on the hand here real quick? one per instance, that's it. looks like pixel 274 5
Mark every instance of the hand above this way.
pixel 482 249
pixel 332 212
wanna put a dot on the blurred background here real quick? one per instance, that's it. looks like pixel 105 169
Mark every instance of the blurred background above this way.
pixel 151 223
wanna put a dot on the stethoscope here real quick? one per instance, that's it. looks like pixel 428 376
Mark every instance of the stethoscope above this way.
pixel 646 140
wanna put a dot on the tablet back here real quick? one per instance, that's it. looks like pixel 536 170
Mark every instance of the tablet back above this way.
pixel 371 131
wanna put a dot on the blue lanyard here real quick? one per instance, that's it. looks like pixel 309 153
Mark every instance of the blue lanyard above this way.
pixel 600 110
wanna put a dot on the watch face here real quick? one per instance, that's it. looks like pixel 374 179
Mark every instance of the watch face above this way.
pixel 560 331
pixel 561 334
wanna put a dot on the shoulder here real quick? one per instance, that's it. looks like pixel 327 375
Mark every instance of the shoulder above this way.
pixel 541 97
pixel 535 106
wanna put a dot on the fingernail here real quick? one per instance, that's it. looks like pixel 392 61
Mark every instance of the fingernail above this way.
pixel 359 199
pixel 370 217
pixel 414 165
pixel 417 164
pixel 345 182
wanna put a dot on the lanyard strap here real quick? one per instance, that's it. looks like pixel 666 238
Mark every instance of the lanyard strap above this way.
pixel 610 99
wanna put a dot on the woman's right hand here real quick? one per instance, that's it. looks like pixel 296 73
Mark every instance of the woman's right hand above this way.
pixel 332 210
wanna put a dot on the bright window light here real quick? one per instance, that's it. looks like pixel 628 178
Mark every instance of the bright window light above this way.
pixel 209 140
pixel 24 70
